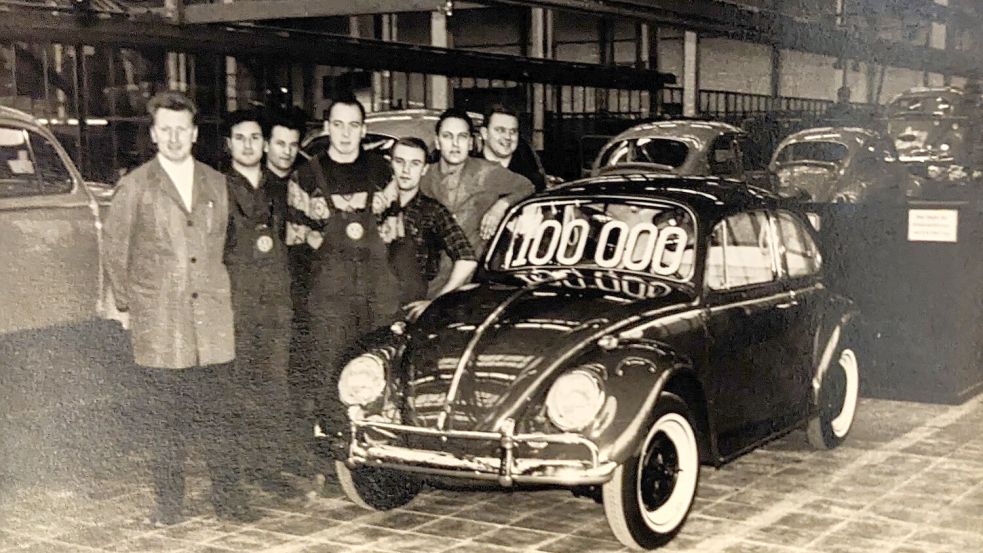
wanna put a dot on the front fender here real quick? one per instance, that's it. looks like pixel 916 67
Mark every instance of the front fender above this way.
pixel 634 382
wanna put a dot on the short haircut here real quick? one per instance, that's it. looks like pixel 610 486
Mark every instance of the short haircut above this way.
pixel 172 100
pixel 411 142
pixel 500 109
pixel 348 100
pixel 239 116
pixel 454 113
pixel 293 118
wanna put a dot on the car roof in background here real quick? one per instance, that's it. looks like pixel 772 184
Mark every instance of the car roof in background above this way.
pixel 701 131
pixel 19 116
pixel 703 194
pixel 844 135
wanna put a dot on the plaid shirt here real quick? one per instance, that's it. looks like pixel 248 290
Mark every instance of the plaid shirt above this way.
pixel 433 230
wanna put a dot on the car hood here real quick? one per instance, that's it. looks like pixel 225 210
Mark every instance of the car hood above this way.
pixel 508 333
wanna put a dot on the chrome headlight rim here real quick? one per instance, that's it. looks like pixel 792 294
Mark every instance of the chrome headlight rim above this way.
pixel 555 410
pixel 365 362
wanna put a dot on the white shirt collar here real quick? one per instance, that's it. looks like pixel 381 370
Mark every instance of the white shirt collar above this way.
pixel 182 174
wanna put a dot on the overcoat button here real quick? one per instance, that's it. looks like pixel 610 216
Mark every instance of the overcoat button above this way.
pixel 194 295
pixel 191 223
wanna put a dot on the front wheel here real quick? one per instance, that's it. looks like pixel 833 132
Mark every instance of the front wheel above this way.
pixel 376 488
pixel 650 495
pixel 839 390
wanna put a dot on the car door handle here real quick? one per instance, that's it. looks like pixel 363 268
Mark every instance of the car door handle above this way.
pixel 787 305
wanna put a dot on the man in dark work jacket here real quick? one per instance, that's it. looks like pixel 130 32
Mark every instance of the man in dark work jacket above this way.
pixel 256 257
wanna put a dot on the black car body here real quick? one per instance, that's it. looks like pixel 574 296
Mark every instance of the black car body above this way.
pixel 624 329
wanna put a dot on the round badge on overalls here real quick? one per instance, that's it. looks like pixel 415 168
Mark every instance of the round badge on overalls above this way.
pixel 264 243
pixel 355 231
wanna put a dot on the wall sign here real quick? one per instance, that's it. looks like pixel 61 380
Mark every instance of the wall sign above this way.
pixel 933 225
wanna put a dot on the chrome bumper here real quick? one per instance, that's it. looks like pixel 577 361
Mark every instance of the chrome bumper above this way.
pixel 506 469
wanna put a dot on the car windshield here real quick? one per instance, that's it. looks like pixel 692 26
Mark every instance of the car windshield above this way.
pixel 662 151
pixel 929 104
pixel 637 236
pixel 813 151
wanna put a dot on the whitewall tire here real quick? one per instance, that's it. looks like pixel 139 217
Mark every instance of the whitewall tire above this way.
pixel 650 495
pixel 839 392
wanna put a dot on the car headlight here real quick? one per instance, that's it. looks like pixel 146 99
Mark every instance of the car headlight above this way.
pixel 575 399
pixel 362 380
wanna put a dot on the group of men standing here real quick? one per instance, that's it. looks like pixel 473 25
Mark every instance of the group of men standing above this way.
pixel 219 274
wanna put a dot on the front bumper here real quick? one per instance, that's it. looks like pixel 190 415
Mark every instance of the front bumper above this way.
pixel 507 468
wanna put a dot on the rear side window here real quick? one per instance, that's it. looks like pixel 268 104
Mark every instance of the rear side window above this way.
pixel 740 252
pixel 724 158
pixel 798 250
pixel 30 165
pixel 661 151
pixel 813 151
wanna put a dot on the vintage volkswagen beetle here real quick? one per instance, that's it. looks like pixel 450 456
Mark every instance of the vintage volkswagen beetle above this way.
pixel 683 147
pixel 624 330
pixel 50 262
pixel 937 131
pixel 840 164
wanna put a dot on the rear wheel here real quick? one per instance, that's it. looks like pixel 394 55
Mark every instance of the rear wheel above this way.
pixel 650 495
pixel 839 391
pixel 375 488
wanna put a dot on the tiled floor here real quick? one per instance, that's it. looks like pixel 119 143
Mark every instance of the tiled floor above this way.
pixel 908 480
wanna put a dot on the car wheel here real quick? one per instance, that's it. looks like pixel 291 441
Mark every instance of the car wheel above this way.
pixel 375 488
pixel 838 394
pixel 650 495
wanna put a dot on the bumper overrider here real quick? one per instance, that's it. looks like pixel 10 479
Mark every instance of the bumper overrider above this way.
pixel 506 468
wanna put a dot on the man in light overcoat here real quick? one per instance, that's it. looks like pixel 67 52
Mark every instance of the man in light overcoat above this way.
pixel 164 239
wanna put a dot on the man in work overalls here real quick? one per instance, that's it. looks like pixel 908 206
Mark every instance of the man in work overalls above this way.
pixel 340 204
pixel 256 257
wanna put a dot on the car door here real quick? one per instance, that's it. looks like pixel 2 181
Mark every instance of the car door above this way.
pixel 745 302
pixel 49 258
pixel 800 263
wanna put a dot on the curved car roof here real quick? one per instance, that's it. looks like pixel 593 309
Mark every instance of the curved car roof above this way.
pixel 700 131
pixel 844 135
pixel 18 115
pixel 705 195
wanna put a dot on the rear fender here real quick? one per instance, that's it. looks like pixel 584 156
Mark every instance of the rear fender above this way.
pixel 841 321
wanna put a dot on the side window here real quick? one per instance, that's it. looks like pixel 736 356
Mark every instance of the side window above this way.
pixel 55 177
pixel 740 252
pixel 724 157
pixel 18 174
pixel 799 251
pixel 30 165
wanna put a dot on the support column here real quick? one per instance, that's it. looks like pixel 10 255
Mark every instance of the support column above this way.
pixel 690 73
pixel 231 79
pixel 537 39
pixel 643 60
pixel 439 94
pixel 382 80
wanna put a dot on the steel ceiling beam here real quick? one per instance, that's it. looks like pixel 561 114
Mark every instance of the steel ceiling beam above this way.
pixel 303 46
pixel 770 27
pixel 257 10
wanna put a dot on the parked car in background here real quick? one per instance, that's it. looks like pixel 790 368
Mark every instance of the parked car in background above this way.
pixel 840 164
pixel 51 263
pixel 622 331
pixel 684 147
pixel 938 132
